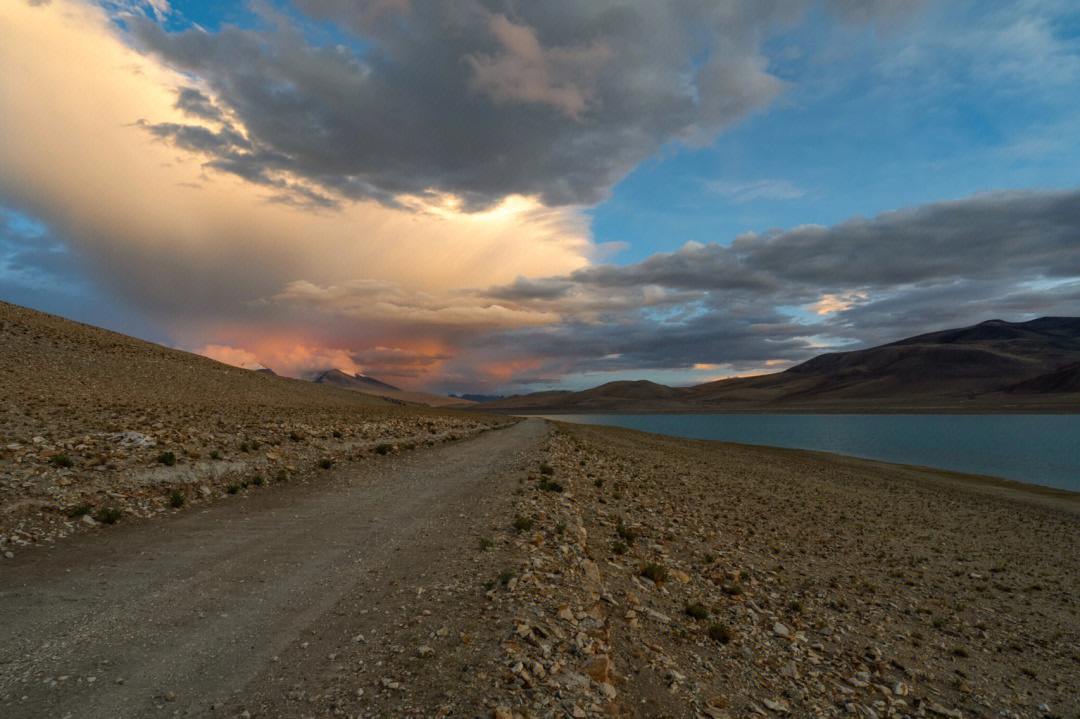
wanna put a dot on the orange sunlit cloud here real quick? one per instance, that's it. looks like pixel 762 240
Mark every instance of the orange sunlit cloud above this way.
pixel 154 222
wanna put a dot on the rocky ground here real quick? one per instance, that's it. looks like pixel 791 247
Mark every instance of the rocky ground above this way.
pixel 663 577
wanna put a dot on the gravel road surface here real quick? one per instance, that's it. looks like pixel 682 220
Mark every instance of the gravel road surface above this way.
pixel 224 609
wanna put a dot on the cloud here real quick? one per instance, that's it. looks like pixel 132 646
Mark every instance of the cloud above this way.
pixel 756 190
pixel 554 101
pixel 773 298
pixel 525 71
pixel 101 149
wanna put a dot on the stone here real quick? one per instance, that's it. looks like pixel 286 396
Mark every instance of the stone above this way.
pixel 591 583
pixel 780 630
pixel 425 651
pixel 778 706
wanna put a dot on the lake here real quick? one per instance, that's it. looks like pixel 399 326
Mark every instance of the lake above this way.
pixel 1039 449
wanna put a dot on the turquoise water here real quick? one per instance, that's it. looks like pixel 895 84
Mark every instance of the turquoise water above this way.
pixel 1039 449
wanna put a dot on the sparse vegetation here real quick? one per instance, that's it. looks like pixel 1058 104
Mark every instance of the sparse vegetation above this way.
pixel 485 543
pixel 62 460
pixel 383 448
pixel 176 499
pixel 523 524
pixel 656 572
pixel 233 488
pixel 326 463
pixel 696 610
pixel 79 511
pixel 719 632
pixel 214 454
pixel 167 458
pixel 546 468
pixel 108 515
pixel 336 434
pixel 548 485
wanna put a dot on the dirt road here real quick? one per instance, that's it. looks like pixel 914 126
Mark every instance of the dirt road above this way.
pixel 248 605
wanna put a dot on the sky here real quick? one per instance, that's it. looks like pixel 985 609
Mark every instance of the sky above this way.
pixel 498 197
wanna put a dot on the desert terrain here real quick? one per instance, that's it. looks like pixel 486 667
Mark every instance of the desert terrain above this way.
pixel 420 562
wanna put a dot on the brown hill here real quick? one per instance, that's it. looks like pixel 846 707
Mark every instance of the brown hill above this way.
pixel 995 365
pixel 1060 381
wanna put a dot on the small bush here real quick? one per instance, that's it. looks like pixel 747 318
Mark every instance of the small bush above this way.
pixel 795 605
pixel 336 434
pixel 485 543
pixel 214 454
pixel 254 444
pixel 167 458
pixel 655 572
pixel 295 436
pixel 708 558
pixel 560 527
pixel 62 460
pixel 505 577
pixel 719 632
pixel 696 610
pixel 546 468
pixel 257 480
pixel 732 590
pixel 550 486
pixel 233 488
pixel 281 476
pixel 176 499
pixel 618 547
pixel 326 463
pixel 244 446
pixel 598 483
pixel 960 652
pixel 79 511
pixel 382 448
pixel 625 533
pixel 523 524
pixel 108 515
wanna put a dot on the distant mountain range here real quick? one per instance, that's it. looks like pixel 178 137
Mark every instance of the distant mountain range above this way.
pixel 372 386
pixel 992 366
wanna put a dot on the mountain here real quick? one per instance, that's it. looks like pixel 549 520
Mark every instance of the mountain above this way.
pixel 478 397
pixel 352 381
pixel 992 366
pixel 256 367
pixel 372 386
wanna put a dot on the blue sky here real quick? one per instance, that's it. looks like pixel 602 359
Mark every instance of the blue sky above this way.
pixel 494 197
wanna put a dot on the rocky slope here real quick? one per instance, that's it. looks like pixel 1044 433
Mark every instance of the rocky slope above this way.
pixel 664 577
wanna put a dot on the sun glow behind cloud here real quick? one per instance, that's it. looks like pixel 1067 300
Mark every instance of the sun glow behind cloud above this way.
pixel 206 252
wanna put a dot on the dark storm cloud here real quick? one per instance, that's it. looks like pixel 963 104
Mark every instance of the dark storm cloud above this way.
pixel 195 103
pixel 482 99
pixel 1012 255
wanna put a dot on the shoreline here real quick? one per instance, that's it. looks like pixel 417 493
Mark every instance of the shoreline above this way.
pixel 981 476
pixel 1002 486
